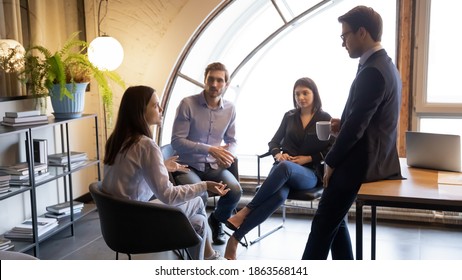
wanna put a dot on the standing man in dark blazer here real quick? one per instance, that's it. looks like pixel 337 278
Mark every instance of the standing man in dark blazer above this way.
pixel 365 148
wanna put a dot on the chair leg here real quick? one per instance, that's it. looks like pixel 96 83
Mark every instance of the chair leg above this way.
pixel 183 254
pixel 188 254
pixel 268 233
pixel 117 256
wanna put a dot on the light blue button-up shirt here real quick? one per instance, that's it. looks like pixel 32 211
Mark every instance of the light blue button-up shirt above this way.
pixel 197 127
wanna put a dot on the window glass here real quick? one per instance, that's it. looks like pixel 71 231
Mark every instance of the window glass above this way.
pixel 292 8
pixel 262 88
pixel 438 105
pixel 232 36
pixel 182 88
pixel 441 125
pixel 442 85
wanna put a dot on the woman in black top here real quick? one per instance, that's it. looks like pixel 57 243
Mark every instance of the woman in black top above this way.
pixel 297 153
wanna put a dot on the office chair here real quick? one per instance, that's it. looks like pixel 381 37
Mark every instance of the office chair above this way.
pixel 136 227
pixel 304 195
pixel 168 152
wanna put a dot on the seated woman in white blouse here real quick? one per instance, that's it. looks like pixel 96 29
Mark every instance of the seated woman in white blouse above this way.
pixel 134 167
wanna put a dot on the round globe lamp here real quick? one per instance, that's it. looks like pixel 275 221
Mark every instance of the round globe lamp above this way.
pixel 106 53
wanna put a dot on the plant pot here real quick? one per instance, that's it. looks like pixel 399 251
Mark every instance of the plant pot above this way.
pixel 65 107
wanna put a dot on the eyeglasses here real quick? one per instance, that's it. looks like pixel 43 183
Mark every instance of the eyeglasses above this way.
pixel 343 36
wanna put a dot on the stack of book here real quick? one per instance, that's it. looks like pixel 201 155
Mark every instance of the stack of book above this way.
pixel 24 118
pixel 4 182
pixel 60 159
pixel 23 231
pixel 61 210
pixel 19 173
pixel 5 244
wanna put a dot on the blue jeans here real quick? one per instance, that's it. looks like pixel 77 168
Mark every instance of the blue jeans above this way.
pixel 227 203
pixel 283 177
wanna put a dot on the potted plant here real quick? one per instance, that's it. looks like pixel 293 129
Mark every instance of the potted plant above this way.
pixel 65 75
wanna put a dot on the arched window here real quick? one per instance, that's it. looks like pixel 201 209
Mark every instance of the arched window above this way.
pixel 267 45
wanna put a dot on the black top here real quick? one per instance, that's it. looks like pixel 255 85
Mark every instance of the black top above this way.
pixel 293 139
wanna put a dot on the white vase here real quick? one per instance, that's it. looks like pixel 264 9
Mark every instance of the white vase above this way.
pixel 65 107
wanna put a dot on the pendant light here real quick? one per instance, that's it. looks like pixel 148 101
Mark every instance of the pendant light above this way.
pixel 105 52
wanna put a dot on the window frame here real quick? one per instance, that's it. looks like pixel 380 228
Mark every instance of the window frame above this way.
pixel 423 109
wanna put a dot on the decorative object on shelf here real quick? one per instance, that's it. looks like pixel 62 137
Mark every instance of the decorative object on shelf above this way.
pixel 24 118
pixel 105 52
pixel 64 70
pixel 66 107
pixel 11 55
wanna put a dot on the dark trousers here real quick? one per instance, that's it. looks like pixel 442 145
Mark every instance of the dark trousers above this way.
pixel 329 229
pixel 226 204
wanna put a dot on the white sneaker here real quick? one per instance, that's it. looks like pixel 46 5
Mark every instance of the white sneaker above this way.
pixel 215 257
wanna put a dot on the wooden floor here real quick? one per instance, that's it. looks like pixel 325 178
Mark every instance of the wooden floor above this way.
pixel 395 241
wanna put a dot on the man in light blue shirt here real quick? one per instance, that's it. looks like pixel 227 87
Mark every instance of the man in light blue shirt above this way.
pixel 204 138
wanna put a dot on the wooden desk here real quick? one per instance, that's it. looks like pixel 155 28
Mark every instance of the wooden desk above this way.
pixel 419 191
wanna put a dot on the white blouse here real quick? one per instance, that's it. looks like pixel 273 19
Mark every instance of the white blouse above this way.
pixel 140 173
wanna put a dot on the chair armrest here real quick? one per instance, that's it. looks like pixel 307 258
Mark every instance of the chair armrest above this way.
pixel 264 155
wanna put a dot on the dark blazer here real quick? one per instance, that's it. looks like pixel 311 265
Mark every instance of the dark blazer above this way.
pixel 367 139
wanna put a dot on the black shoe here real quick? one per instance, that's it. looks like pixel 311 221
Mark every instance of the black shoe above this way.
pixel 218 235
pixel 231 226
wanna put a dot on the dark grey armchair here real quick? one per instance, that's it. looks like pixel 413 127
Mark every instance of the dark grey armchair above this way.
pixel 136 227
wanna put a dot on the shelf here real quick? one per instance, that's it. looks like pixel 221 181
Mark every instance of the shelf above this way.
pixel 52 121
pixel 64 223
pixel 56 172
pixel 14 191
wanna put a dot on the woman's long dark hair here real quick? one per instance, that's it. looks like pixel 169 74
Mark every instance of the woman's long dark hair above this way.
pixel 309 83
pixel 131 123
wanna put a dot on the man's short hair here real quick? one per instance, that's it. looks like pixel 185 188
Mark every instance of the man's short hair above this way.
pixel 217 66
pixel 362 16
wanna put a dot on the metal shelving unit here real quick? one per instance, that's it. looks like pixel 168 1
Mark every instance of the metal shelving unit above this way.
pixel 57 173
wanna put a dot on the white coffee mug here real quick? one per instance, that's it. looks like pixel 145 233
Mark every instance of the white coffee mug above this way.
pixel 323 130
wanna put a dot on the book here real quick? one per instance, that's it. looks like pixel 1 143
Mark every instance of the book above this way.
pixel 24 230
pixel 22 168
pixel 39 177
pixel 4 241
pixel 25 123
pixel 4 177
pixel 64 207
pixel 4 184
pixel 74 165
pixel 4 190
pixel 61 158
pixel 7 247
pixel 40 150
pixel 26 119
pixel 62 215
pixel 22 114
pixel 5 244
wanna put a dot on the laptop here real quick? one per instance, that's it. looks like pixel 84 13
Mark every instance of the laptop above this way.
pixel 433 151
